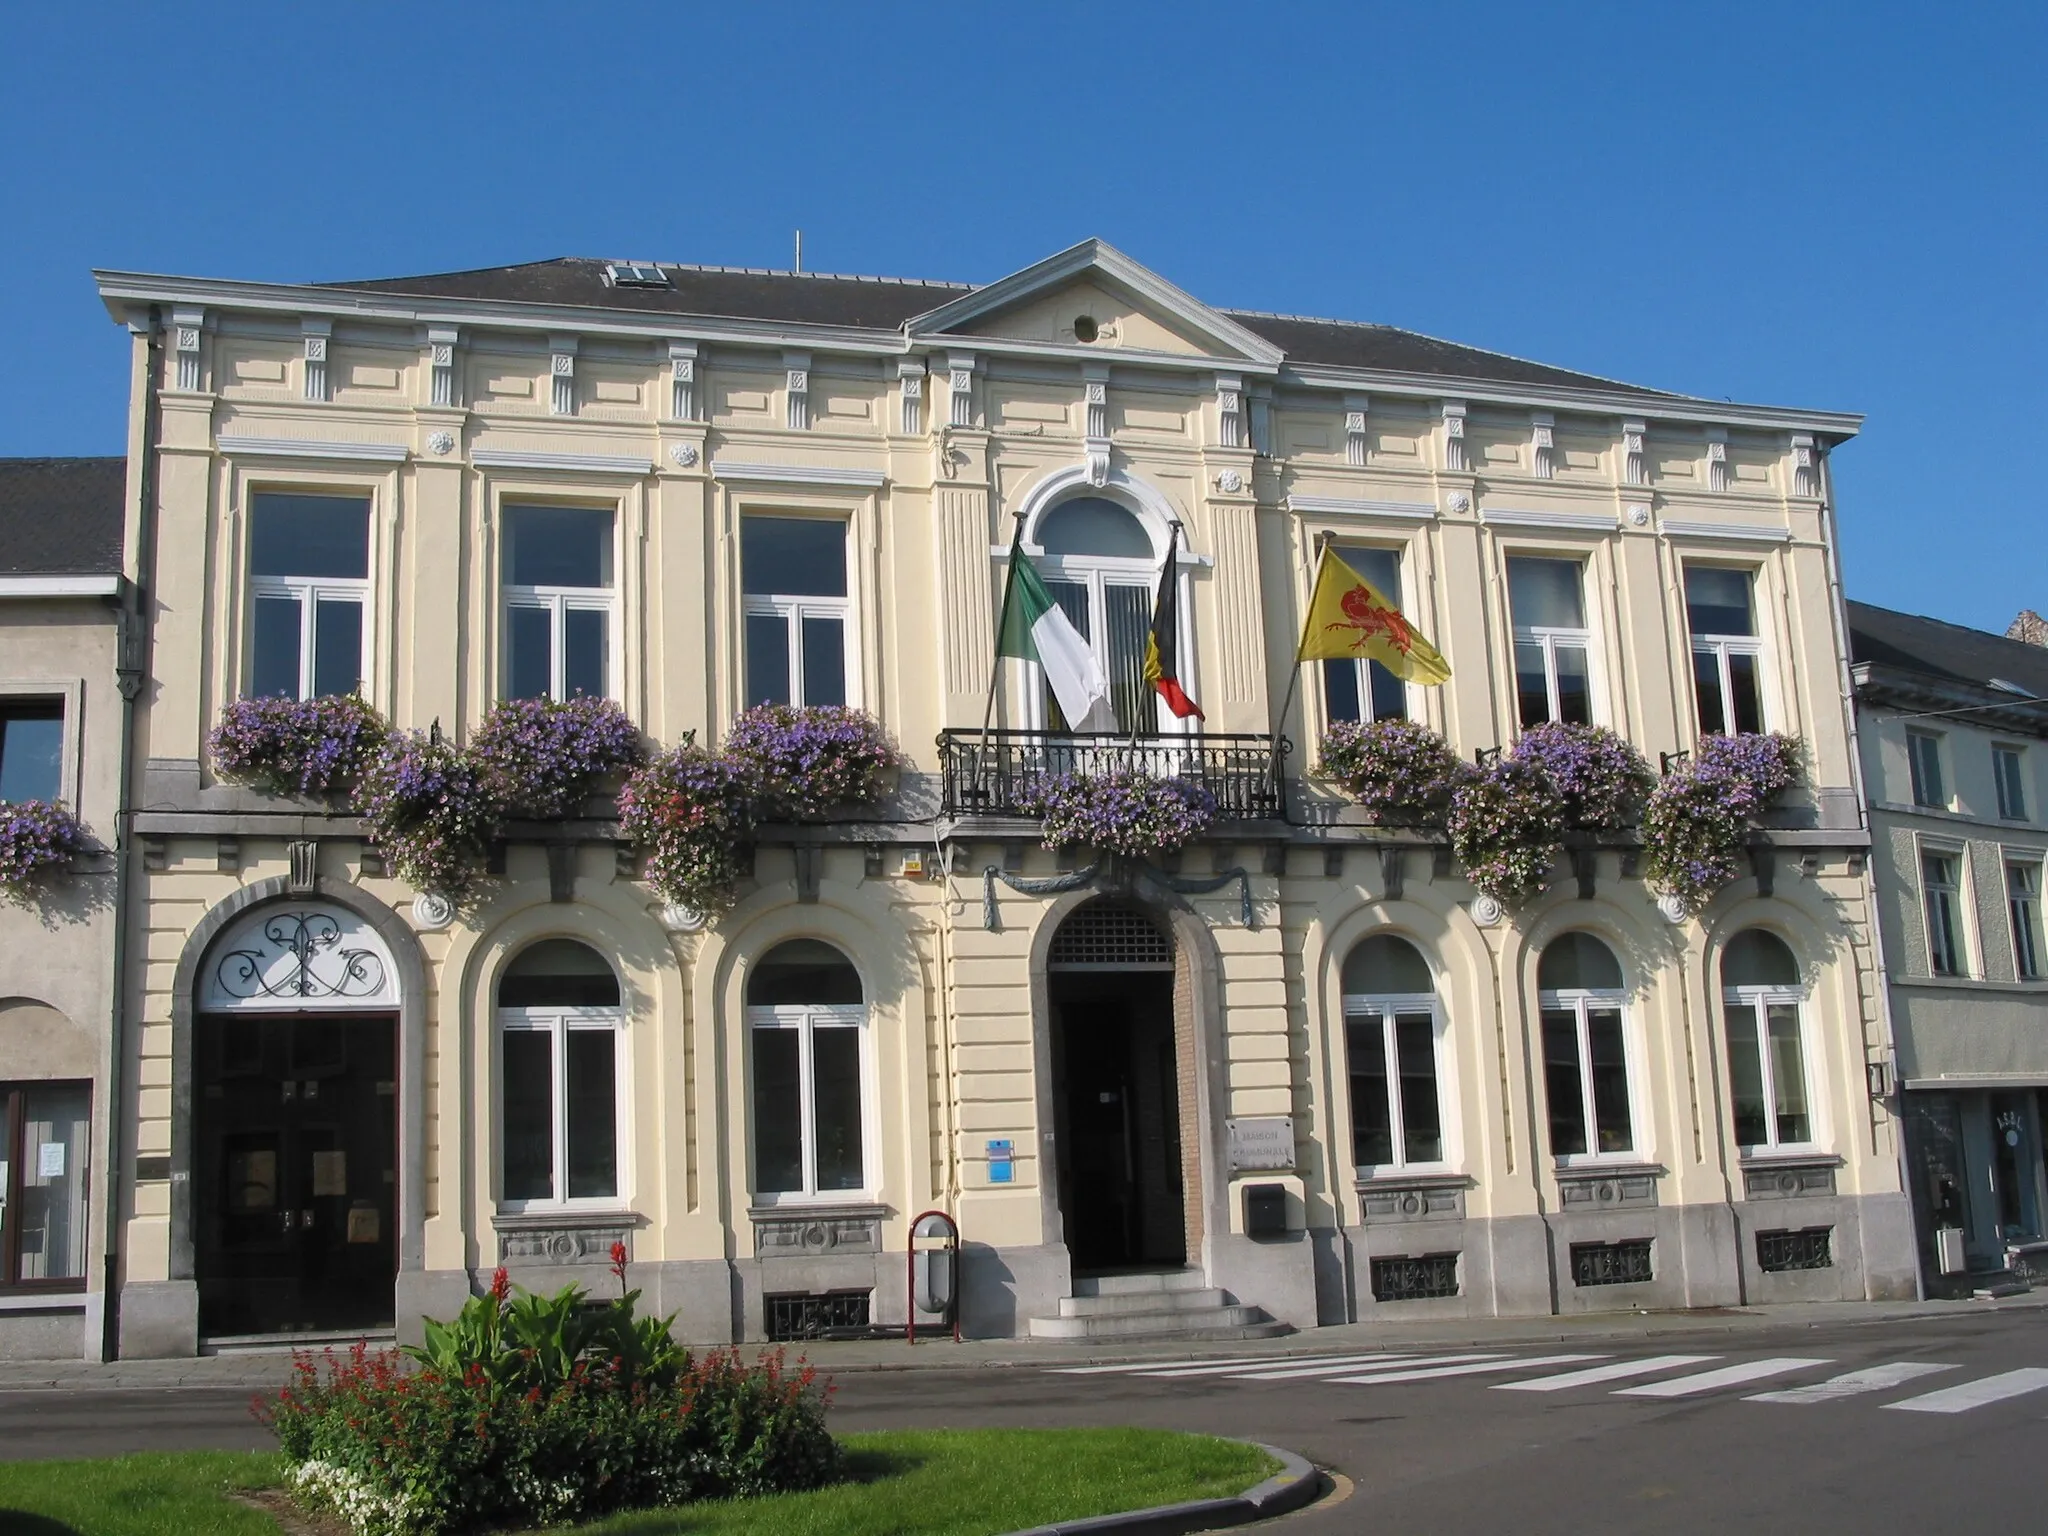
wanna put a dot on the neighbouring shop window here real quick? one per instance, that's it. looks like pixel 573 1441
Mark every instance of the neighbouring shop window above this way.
pixel 1355 688
pixel 794 596
pixel 1392 1029
pixel 1923 756
pixel 31 749
pixel 45 1157
pixel 807 1024
pixel 1727 655
pixel 1585 1048
pixel 559 588
pixel 309 586
pixel 1553 646
pixel 1763 1001
pixel 1100 568
pixel 2023 903
pixel 559 1030
pixel 2009 769
pixel 1941 893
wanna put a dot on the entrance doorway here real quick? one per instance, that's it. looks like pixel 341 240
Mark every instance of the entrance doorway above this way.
pixel 1116 1087
pixel 297 1142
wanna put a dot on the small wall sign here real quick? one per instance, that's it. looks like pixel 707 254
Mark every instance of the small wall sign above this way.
pixel 1264 1144
pixel 1001 1167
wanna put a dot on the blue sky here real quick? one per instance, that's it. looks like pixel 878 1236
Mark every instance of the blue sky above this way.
pixel 1843 207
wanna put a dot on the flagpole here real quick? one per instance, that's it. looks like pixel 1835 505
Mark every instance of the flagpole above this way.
pixel 995 667
pixel 1323 541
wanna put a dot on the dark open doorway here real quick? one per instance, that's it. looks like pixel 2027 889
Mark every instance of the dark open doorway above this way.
pixel 1117 1108
pixel 296 1185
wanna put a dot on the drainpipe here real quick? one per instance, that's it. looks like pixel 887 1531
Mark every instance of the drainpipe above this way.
pixel 131 671
pixel 1839 611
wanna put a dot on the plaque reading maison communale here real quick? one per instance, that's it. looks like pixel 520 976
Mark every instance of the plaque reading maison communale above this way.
pixel 1263 1145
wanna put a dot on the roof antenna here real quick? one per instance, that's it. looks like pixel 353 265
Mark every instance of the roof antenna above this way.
pixel 799 251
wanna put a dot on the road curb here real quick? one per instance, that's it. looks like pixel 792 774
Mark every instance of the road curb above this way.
pixel 1296 1484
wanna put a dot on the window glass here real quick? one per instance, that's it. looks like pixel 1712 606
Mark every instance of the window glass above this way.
pixel 337 646
pixel 824 641
pixel 767 659
pixel 2023 900
pixel 2008 768
pixel 1788 1072
pixel 558 973
pixel 1574 685
pixel 1372 1112
pixel 529 661
pixel 529 1120
pixel 1563 1086
pixel 274 648
pixel 1421 1116
pixel 1944 938
pixel 50 1228
pixel 1746 1076
pixel 558 547
pixel 1383 965
pixel 803 971
pixel 593 1110
pixel 1757 957
pixel 836 1097
pixel 793 556
pixel 778 1111
pixel 1745 691
pixel 1094 525
pixel 1923 752
pixel 31 750
pixel 293 535
pixel 1532 683
pixel 586 662
pixel 1578 962
pixel 1706 680
pixel 1609 1058
pixel 1351 688
pixel 1546 594
pixel 1719 601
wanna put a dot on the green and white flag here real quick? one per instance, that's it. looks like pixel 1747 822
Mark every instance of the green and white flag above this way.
pixel 1034 629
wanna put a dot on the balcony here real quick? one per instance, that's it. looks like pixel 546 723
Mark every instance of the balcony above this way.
pixel 984 773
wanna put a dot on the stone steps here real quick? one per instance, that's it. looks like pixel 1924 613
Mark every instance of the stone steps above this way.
pixel 1160 1305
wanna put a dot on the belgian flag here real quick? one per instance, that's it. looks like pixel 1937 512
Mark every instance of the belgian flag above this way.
pixel 1162 645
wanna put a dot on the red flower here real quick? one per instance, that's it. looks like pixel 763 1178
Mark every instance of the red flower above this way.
pixel 619 1262
pixel 501 1284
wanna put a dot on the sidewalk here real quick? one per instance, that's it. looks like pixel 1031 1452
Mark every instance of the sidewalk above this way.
pixel 256 1372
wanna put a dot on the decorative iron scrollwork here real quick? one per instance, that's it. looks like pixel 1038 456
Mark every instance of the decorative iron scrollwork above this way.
pixel 320 967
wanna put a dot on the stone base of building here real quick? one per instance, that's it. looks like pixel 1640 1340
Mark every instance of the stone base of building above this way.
pixel 60 1328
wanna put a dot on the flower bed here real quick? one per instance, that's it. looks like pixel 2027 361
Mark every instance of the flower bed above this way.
pixel 542 759
pixel 1699 817
pixel 692 813
pixel 1402 773
pixel 424 804
pixel 805 763
pixel 37 838
pixel 1122 812
pixel 534 1410
pixel 315 747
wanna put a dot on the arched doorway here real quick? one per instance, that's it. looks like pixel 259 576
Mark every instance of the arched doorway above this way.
pixel 1117 1090
pixel 295 1125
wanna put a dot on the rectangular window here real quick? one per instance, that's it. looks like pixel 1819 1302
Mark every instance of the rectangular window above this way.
pixel 2023 902
pixel 1767 1069
pixel 1923 753
pixel 560 600
pixel 1396 1116
pixel 794 597
pixel 1553 646
pixel 45 1155
pixel 560 1094
pixel 1357 689
pixel 1585 1077
pixel 309 583
pixel 809 1099
pixel 1727 655
pixel 31 749
pixel 2008 767
pixel 1942 890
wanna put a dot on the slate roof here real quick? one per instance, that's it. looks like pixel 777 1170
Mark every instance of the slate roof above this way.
pixel 62 517
pixel 886 303
pixel 1945 652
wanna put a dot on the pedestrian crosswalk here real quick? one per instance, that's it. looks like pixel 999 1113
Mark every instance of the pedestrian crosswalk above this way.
pixel 1668 1377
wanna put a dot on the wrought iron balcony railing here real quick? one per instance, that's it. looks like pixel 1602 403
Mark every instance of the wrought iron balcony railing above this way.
pixel 985 773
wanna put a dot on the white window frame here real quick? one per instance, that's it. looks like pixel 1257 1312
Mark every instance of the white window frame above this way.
pixel 559 1022
pixel 1959 922
pixel 805 1018
pixel 794 609
pixel 1721 647
pixel 2001 753
pixel 1366 1005
pixel 1550 637
pixel 1362 665
pixel 1759 1001
pixel 2029 860
pixel 1580 1001
pixel 1098 573
pixel 308 592
pixel 1914 777
pixel 557 603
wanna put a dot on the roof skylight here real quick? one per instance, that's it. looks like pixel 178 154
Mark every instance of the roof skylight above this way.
pixel 2003 686
pixel 635 274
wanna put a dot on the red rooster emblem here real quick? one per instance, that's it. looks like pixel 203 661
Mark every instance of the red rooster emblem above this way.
pixel 1364 618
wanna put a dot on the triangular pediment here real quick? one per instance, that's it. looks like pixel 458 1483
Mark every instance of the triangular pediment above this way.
pixel 1131 307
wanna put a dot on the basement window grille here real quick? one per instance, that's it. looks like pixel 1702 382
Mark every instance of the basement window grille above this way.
pixel 1807 1248
pixel 1625 1263
pixel 1401 1278
pixel 1110 936
pixel 816 1316
pixel 635 274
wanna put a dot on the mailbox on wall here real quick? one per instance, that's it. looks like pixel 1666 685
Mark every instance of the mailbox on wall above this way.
pixel 1265 1211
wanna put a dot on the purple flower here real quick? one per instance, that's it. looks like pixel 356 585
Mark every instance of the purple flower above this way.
pixel 1402 773
pixel 542 759
pixel 37 838
pixel 1123 811
pixel 425 804
pixel 314 747
pixel 805 763
pixel 1507 828
pixel 1698 818
pixel 692 813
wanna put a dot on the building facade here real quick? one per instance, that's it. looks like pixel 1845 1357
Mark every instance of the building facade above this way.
pixel 1952 726
pixel 1304 1065
pixel 64 614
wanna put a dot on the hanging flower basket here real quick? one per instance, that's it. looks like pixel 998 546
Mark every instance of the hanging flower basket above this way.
pixel 318 748
pixel 691 812
pixel 1507 828
pixel 425 804
pixel 541 759
pixel 1698 819
pixel 807 763
pixel 1121 812
pixel 37 839
pixel 1400 772
pixel 1601 780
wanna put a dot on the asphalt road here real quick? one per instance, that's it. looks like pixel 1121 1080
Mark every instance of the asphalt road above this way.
pixel 1649 1444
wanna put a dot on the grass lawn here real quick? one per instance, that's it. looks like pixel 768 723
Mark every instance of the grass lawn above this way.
pixel 909 1483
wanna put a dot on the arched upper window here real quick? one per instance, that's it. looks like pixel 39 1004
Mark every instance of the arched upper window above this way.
pixel 1763 1001
pixel 559 1023
pixel 1393 1039
pixel 1099 565
pixel 1093 525
pixel 807 1027
pixel 1586 1074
